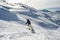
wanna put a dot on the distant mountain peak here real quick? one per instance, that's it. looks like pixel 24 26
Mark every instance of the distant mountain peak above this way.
pixel 44 10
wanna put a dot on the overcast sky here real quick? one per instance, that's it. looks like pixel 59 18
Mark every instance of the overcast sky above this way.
pixel 38 4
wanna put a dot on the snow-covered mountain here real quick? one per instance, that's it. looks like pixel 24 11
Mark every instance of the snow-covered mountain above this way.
pixel 52 16
pixel 13 18
pixel 54 9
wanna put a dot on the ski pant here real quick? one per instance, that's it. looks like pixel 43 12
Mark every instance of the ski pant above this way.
pixel 30 27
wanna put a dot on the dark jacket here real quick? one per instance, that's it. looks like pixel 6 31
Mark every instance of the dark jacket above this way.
pixel 28 22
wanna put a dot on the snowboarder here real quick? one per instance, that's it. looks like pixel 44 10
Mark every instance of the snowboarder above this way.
pixel 29 24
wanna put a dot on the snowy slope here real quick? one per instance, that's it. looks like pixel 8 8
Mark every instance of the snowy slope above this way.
pixel 13 27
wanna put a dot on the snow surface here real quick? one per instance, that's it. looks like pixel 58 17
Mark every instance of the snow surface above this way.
pixel 13 23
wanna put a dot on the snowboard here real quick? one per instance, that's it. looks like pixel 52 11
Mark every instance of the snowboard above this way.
pixel 32 30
